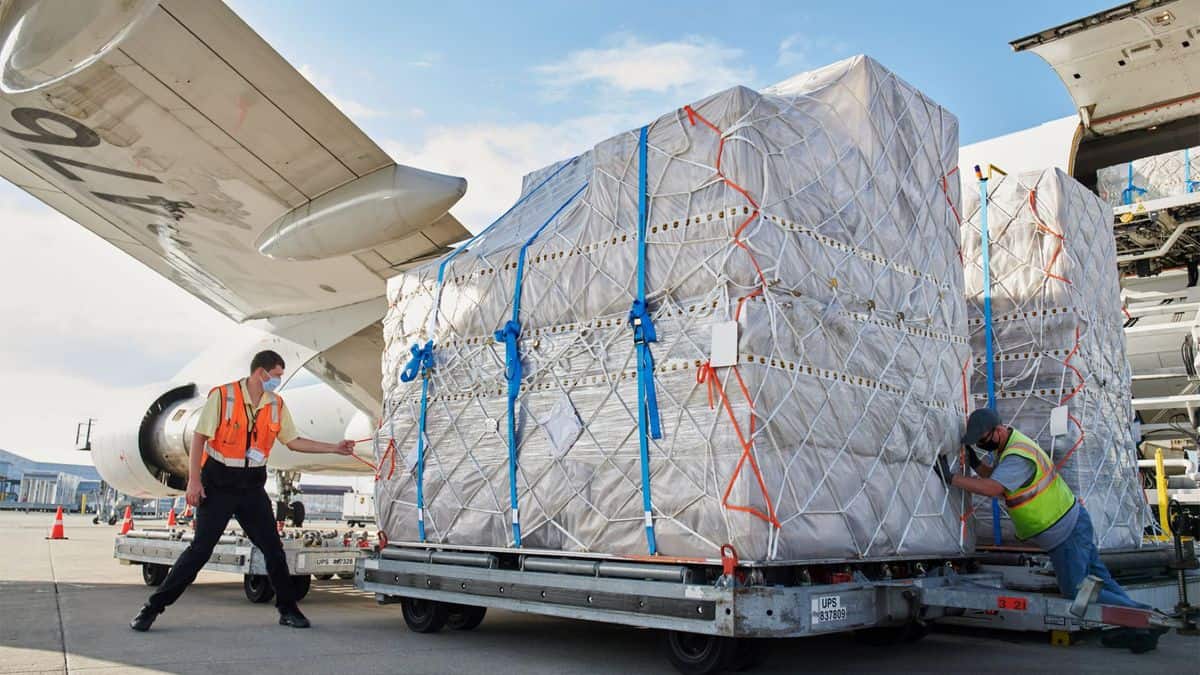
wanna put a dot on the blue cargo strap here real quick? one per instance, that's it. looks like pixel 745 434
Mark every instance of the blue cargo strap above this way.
pixel 989 346
pixel 1130 188
pixel 510 335
pixel 649 425
pixel 1188 183
pixel 426 352
pixel 422 359
pixel 420 364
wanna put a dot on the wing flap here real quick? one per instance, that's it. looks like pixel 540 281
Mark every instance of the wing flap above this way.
pixel 227 35
pixel 217 94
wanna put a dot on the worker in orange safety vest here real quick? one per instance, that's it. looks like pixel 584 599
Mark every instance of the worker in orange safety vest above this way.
pixel 240 423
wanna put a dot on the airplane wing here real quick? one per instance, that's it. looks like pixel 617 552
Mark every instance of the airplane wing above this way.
pixel 176 133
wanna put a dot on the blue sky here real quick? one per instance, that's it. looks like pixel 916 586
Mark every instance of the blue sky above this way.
pixel 488 91
pixel 464 62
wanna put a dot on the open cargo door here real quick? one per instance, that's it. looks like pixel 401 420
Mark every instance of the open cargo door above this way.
pixel 1130 67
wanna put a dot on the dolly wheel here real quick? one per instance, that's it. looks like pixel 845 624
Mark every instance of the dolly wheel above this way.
pixel 696 654
pixel 258 588
pixel 465 617
pixel 154 574
pixel 424 616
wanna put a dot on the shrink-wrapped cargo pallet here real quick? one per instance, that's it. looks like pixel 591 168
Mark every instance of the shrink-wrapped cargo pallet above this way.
pixel 811 228
pixel 1163 175
pixel 1059 341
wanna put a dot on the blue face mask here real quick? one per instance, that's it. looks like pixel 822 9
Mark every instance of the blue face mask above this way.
pixel 272 384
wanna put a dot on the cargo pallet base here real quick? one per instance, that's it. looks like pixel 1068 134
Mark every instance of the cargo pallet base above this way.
pixel 310 553
pixel 716 614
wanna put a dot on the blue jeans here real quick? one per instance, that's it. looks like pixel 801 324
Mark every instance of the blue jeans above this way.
pixel 1078 557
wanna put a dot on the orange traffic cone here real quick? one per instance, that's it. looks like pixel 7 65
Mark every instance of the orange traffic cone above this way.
pixel 56 530
pixel 187 511
pixel 171 518
pixel 127 524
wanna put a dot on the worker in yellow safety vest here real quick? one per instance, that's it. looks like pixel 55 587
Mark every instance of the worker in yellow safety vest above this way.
pixel 1043 511
pixel 240 423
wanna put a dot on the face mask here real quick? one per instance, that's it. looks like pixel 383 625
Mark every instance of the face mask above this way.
pixel 272 384
pixel 988 445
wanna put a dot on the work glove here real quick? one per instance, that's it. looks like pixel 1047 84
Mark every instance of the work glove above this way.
pixel 942 467
pixel 973 458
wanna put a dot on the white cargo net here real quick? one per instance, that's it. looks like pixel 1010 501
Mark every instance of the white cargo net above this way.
pixel 1059 341
pixel 1155 177
pixel 817 216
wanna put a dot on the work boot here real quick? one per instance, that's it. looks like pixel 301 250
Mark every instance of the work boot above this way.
pixel 144 619
pixel 292 617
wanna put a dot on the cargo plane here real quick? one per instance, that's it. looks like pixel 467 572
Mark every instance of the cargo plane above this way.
pixel 172 130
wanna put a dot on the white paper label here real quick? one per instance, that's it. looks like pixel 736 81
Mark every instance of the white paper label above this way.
pixel 1058 421
pixel 563 426
pixel 724 350
pixel 827 609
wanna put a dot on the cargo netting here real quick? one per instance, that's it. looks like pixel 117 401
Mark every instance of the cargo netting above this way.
pixel 552 383
pixel 1165 175
pixel 1058 342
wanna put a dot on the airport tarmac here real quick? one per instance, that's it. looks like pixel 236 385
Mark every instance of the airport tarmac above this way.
pixel 64 608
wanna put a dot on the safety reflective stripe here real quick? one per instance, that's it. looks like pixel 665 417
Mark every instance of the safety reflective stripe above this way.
pixel 643 335
pixel 274 404
pixel 510 335
pixel 230 400
pixel 237 463
pixel 1030 492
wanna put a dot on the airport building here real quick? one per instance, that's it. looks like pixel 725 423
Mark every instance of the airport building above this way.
pixel 25 481
pixel 48 487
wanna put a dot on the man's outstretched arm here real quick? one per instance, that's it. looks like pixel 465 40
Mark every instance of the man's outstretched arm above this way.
pixel 308 445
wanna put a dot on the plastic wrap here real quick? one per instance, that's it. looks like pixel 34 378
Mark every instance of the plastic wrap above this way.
pixel 815 215
pixel 1058 341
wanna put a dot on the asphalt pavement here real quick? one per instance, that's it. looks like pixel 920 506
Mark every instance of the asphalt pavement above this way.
pixel 65 607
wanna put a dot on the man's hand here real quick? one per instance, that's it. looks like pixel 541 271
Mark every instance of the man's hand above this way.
pixel 195 492
pixel 942 467
pixel 344 447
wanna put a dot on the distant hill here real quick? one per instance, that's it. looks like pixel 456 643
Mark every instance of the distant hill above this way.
pixel 20 465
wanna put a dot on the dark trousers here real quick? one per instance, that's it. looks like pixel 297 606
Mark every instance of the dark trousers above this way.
pixel 252 508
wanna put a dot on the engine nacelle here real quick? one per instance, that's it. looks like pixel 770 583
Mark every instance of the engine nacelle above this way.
pixel 47 41
pixel 143 451
pixel 140 450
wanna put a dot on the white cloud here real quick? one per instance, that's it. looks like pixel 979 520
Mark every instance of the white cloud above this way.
pixel 494 157
pixel 85 323
pixel 692 64
pixel 426 60
pixel 802 50
pixel 355 110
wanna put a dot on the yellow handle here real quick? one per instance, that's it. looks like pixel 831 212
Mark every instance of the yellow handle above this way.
pixel 1160 488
